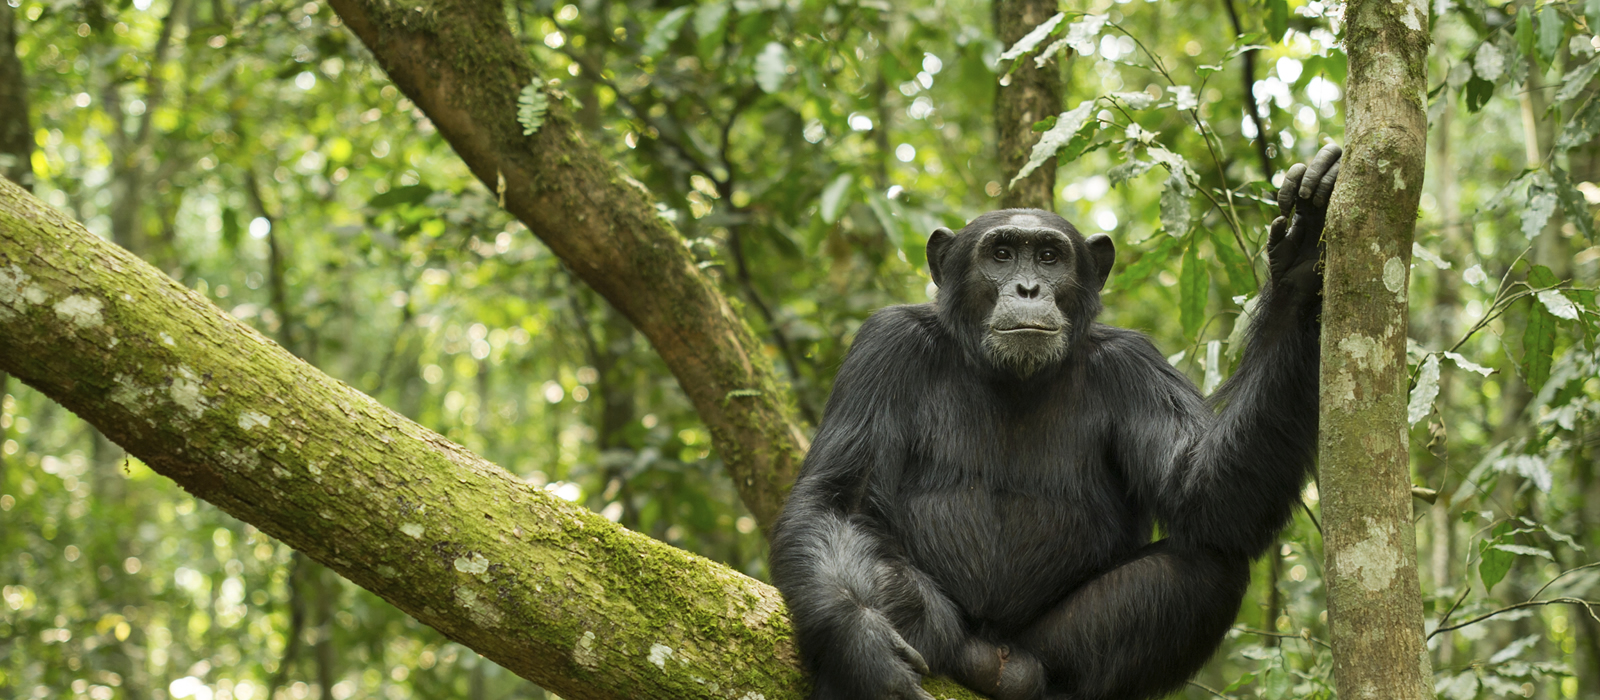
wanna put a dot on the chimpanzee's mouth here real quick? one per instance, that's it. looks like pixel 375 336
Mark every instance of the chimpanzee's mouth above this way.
pixel 1030 328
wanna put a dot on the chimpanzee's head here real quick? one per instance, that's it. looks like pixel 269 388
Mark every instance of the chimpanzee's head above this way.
pixel 1019 286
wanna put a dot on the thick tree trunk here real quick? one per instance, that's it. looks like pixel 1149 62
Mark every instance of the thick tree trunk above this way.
pixel 1032 95
pixel 458 61
pixel 1374 599
pixel 548 589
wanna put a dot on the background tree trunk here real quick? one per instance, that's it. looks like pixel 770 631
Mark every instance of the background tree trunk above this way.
pixel 1374 599
pixel 545 588
pixel 16 141
pixel 1033 94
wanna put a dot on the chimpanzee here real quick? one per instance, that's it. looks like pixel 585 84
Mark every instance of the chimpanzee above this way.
pixel 979 499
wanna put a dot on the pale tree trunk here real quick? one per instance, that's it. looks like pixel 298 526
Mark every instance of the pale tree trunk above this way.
pixel 549 590
pixel 1032 95
pixel 1374 599
pixel 459 62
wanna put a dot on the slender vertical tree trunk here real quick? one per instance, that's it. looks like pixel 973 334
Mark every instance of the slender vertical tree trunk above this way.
pixel 16 142
pixel 1374 599
pixel 1032 94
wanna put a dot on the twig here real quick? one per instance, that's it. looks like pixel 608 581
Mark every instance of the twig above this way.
pixel 1446 617
pixel 1574 569
pixel 1281 635
pixel 1208 689
pixel 1588 605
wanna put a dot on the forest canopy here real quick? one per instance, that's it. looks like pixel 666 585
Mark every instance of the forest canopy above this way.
pixel 625 265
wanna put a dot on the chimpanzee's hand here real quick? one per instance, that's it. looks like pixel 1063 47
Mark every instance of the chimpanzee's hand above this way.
pixel 1295 245
pixel 886 664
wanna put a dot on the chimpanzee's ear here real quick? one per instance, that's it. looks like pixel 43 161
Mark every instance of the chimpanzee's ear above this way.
pixel 1104 254
pixel 938 245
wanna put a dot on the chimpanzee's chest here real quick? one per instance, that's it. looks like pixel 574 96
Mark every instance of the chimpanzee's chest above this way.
pixel 1007 508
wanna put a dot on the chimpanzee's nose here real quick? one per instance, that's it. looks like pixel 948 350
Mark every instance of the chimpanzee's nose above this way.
pixel 1028 291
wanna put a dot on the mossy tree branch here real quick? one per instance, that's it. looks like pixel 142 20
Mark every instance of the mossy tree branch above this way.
pixel 460 63
pixel 545 588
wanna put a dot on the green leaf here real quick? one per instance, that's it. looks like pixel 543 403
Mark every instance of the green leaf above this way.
pixel 531 106
pixel 1277 19
pixel 1538 343
pixel 1426 390
pixel 1478 93
pixel 1193 288
pixel 709 17
pixel 1175 204
pixel 1044 125
pixel 772 66
pixel 1581 128
pixel 1136 274
pixel 1494 563
pixel 666 29
pixel 833 197
pixel 230 228
pixel 408 194
pixel 1541 205
pixel 1032 39
pixel 1552 29
pixel 1129 170
pixel 1234 263
pixel 1067 126
pixel 1524 34
pixel 1573 83
pixel 1541 277
pixel 1573 203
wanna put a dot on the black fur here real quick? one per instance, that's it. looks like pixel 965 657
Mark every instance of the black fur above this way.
pixel 958 518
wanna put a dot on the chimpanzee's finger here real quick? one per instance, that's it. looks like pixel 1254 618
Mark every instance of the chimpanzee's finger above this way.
pixel 1291 186
pixel 910 655
pixel 1324 159
pixel 1280 228
pixel 1325 188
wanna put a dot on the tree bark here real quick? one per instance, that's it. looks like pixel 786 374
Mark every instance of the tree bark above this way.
pixel 16 136
pixel 1033 94
pixel 459 62
pixel 1374 599
pixel 16 142
pixel 549 590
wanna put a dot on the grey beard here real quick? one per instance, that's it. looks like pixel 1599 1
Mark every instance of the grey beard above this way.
pixel 1025 354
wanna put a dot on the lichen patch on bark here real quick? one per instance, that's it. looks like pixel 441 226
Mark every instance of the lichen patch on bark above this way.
pixel 81 311
pixel 1373 561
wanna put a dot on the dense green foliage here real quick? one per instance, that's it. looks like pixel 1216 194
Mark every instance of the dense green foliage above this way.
pixel 805 149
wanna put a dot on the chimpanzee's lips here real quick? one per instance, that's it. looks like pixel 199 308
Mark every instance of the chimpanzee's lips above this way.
pixel 1029 328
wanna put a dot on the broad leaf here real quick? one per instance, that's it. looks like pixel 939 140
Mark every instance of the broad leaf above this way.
pixel 1067 126
pixel 1031 40
pixel 665 31
pixel 833 197
pixel 1277 19
pixel 1426 390
pixel 1538 342
pixel 1541 204
pixel 1494 563
pixel 1192 290
pixel 1551 30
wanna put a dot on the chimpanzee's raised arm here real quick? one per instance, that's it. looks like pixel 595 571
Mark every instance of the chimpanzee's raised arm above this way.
pixel 1230 482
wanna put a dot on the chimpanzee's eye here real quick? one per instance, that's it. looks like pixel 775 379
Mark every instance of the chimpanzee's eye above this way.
pixel 1048 255
pixel 1002 254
